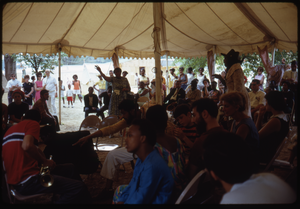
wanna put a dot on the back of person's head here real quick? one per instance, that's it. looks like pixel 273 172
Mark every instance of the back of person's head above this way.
pixel 32 115
pixel 127 105
pixel 294 62
pixel 276 100
pixel 181 109
pixel 26 77
pixel 32 77
pixel 206 104
pixel 235 98
pixel 147 129
pixel 44 91
pixel 158 116
pixel 228 156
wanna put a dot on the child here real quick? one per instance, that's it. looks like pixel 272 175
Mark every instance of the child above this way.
pixel 187 130
pixel 62 92
pixel 69 95
pixel 152 181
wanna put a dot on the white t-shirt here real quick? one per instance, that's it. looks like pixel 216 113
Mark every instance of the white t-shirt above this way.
pixel 50 83
pixel 190 77
pixel 69 93
pixel 262 188
pixel 257 98
pixel 11 83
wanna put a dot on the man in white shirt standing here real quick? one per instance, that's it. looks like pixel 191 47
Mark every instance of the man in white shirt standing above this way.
pixel 50 84
pixel 12 85
pixel 229 161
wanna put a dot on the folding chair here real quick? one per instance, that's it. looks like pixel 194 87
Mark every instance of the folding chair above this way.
pixel 13 195
pixel 276 154
pixel 192 188
pixel 91 121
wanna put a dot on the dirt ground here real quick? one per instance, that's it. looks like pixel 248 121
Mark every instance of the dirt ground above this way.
pixel 71 119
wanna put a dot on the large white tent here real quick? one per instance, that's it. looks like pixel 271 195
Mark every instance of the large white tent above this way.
pixel 145 30
pixel 187 29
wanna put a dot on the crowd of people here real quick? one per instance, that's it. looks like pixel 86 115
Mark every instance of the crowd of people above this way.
pixel 231 132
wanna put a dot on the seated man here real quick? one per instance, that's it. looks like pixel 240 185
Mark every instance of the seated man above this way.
pixel 41 106
pixel 106 97
pixel 175 94
pixel 152 181
pixel 204 113
pixel 22 157
pixel 143 92
pixel 90 103
pixel 17 108
pixel 187 131
pixel 257 98
pixel 229 161
pixel 193 94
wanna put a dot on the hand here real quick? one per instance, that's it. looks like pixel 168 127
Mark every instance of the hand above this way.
pixel 81 141
pixel 93 108
pixel 217 76
pixel 27 96
pixel 49 163
pixel 98 68
pixel 178 133
pixel 262 111
pixel 55 94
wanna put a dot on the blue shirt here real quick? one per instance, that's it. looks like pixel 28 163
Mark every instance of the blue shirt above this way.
pixel 151 183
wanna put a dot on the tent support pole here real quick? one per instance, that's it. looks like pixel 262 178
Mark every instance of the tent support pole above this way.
pixel 273 55
pixel 157 27
pixel 59 83
pixel 167 75
pixel 214 61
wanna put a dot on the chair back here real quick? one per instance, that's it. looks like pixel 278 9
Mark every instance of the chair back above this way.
pixel 12 192
pixel 276 154
pixel 91 121
pixel 109 120
pixel 192 188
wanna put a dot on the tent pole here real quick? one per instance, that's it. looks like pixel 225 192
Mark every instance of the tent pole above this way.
pixel 214 61
pixel 273 55
pixel 157 27
pixel 59 81
pixel 167 75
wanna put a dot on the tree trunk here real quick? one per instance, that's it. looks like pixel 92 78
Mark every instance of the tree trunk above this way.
pixel 10 67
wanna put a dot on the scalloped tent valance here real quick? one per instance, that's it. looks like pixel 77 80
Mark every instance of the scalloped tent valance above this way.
pixel 187 29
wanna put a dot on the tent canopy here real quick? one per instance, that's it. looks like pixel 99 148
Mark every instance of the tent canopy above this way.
pixel 187 29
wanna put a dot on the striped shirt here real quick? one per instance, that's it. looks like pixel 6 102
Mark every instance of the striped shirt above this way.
pixel 19 165
pixel 191 133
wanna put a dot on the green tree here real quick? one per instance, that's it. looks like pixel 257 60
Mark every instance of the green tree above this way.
pixel 38 62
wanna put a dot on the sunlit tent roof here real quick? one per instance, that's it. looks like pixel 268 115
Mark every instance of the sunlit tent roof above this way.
pixel 187 29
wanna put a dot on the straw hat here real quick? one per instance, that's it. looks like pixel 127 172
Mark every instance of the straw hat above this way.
pixel 18 91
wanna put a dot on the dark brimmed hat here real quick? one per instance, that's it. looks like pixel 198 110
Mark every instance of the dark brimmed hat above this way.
pixel 231 55
pixel 18 91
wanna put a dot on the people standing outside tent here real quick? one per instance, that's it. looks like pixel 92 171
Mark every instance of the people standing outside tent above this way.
pixel 120 87
pixel 38 86
pixel 33 83
pixel 136 79
pixel 69 95
pixel 100 86
pixel 143 77
pixel 50 84
pixel 190 76
pixel 62 92
pixel 172 78
pixel 12 85
pixel 200 78
pixel 182 78
pixel 77 89
pixel 28 90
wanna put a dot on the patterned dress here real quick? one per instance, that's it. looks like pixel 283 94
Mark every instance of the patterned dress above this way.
pixel 117 96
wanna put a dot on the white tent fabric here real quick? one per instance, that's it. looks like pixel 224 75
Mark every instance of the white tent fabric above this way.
pixel 187 29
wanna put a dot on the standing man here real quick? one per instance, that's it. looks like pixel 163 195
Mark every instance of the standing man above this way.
pixel 12 85
pixel 50 84
pixel 106 97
